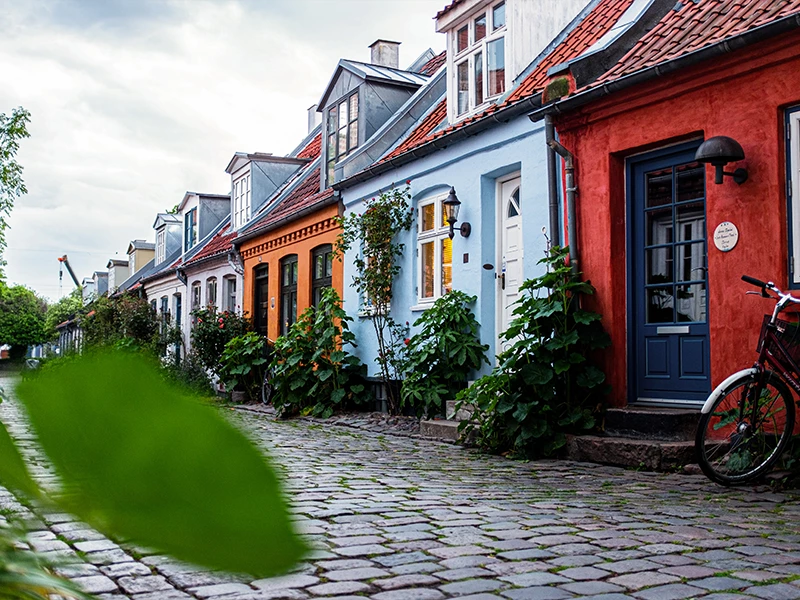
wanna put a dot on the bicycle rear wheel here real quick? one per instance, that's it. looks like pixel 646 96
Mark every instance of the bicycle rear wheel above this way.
pixel 736 441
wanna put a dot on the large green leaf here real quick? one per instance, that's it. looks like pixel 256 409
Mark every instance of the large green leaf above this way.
pixel 13 472
pixel 142 461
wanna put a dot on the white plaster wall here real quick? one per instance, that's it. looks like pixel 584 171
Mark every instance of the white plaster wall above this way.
pixel 219 268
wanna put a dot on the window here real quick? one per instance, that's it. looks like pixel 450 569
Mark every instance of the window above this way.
pixel 177 303
pixel 480 61
pixel 211 292
pixel 793 192
pixel 161 240
pixel 261 300
pixel 190 230
pixel 434 250
pixel 288 292
pixel 154 306
pixel 164 313
pixel 230 294
pixel 241 201
pixel 342 131
pixel 321 271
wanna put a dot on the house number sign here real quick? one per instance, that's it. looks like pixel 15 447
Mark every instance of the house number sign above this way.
pixel 726 236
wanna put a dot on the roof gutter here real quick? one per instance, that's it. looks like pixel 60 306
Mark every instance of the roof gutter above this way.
pixel 236 244
pixel 747 38
pixel 501 116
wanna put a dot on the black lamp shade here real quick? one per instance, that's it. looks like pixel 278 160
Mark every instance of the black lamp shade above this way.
pixel 452 206
pixel 719 150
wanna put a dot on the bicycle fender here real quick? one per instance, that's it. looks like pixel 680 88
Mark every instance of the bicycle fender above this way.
pixel 718 390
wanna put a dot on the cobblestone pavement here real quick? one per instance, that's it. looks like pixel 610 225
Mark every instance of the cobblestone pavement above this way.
pixel 399 518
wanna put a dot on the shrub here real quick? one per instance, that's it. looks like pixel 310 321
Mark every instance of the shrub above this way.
pixel 544 385
pixel 126 321
pixel 211 331
pixel 312 373
pixel 190 374
pixel 442 353
pixel 243 363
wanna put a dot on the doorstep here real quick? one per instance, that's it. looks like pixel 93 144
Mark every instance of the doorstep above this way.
pixel 651 455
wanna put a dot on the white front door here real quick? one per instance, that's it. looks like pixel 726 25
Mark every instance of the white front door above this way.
pixel 509 276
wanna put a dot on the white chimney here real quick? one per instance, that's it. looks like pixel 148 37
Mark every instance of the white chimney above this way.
pixel 314 118
pixel 385 53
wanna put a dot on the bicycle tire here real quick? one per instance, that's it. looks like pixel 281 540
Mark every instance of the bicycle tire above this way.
pixel 733 450
pixel 267 388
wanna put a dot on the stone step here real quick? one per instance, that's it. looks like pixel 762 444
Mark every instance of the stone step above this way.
pixel 464 414
pixel 653 455
pixel 664 424
pixel 440 429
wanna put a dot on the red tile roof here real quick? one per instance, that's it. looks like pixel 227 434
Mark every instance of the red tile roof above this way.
pixel 587 32
pixel 692 26
pixel 312 149
pixel 306 195
pixel 430 67
pixel 217 245
pixel 448 8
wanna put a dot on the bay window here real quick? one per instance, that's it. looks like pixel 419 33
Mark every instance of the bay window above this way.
pixel 342 130
pixel 161 242
pixel 241 201
pixel 190 230
pixel 434 251
pixel 480 59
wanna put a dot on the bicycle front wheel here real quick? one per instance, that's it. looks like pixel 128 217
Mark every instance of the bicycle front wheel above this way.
pixel 746 430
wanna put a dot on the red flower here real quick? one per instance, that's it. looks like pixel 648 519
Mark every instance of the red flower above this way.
pixel 199 320
pixel 221 326
pixel 408 182
pixel 407 341
pixel 220 319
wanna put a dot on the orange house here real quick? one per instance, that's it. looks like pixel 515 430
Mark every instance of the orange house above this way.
pixel 287 255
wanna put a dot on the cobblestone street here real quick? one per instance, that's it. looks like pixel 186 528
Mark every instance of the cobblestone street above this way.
pixel 399 518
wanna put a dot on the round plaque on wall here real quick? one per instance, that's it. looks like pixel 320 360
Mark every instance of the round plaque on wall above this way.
pixel 726 236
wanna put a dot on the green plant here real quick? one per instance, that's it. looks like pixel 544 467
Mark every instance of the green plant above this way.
pixel 440 356
pixel 22 318
pixel 376 264
pixel 65 309
pixel 544 385
pixel 125 322
pixel 190 374
pixel 312 373
pixel 243 363
pixel 212 330
pixel 12 129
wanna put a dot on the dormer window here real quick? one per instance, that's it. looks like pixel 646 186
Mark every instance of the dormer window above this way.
pixel 241 201
pixel 190 230
pixel 480 59
pixel 342 128
pixel 161 245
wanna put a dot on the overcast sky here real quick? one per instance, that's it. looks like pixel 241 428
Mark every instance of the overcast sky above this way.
pixel 134 102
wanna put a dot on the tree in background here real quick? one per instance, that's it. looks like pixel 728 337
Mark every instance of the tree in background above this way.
pixel 13 128
pixel 22 318
pixel 65 309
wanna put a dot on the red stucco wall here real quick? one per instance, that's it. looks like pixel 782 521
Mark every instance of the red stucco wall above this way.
pixel 742 96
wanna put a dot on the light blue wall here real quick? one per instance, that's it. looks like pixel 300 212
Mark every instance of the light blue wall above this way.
pixel 473 167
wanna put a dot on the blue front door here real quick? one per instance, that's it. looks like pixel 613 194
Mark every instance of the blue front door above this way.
pixel 669 277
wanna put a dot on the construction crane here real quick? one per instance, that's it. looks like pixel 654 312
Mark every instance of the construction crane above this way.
pixel 64 262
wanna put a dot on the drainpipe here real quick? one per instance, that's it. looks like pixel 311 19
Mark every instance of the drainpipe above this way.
pixel 181 275
pixel 569 168
pixel 552 179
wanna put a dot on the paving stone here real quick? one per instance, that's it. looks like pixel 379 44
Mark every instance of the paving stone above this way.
pixel 591 588
pixel 285 582
pixel 775 591
pixel 108 557
pixel 718 584
pixel 346 563
pixel 642 579
pixel 338 588
pixel 414 568
pixel 629 566
pixel 125 569
pixel 537 593
pixel 357 540
pixel 406 581
pixel 675 591
pixel 471 586
pixel 409 594
pixel 534 579
pixel 755 576
pixel 95 584
pixel 465 573
pixel 220 589
pixel 584 573
pixel 526 554
pixel 95 545
pixel 392 560
pixel 575 561
pixel 142 584
pixel 453 551
pixel 356 574
pixel 364 550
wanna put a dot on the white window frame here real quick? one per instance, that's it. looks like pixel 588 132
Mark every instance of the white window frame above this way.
pixel 211 292
pixel 161 241
pixel 197 295
pixel 241 200
pixel 793 189
pixel 435 235
pixel 473 48
pixel 230 294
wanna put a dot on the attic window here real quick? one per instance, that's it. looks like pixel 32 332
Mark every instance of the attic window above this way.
pixel 480 64
pixel 342 131
pixel 161 237
pixel 241 201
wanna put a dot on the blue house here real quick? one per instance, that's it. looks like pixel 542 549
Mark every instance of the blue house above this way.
pixel 467 130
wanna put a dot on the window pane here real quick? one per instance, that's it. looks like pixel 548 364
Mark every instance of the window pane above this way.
pixel 497 66
pixel 691 264
pixel 462 39
pixel 427 258
pixel 690 181
pixel 332 119
pixel 319 266
pixel 443 212
pixel 342 142
pixel 328 264
pixel 480 27
pixel 658 225
pixel 353 136
pixel 343 114
pixel 658 188
pixel 332 145
pixel 428 217
pixel 330 171
pixel 353 107
pixel 690 221
pixel 659 305
pixel 478 78
pixel 499 16
pixel 447 265
pixel 463 87
pixel 691 303
pixel 658 265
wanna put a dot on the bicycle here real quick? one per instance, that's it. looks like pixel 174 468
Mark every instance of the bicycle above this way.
pixel 267 388
pixel 748 420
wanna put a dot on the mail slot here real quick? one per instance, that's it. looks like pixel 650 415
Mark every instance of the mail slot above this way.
pixel 672 329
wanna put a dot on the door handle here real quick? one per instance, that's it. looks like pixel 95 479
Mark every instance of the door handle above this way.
pixel 502 281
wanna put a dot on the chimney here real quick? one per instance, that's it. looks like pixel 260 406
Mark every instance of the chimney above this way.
pixel 314 117
pixel 385 53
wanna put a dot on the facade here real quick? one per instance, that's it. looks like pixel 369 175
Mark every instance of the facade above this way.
pixel 469 131
pixel 648 214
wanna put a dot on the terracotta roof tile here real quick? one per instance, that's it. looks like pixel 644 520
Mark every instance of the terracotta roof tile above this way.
pixel 430 67
pixel 312 149
pixel 448 8
pixel 692 26
pixel 217 245
pixel 587 32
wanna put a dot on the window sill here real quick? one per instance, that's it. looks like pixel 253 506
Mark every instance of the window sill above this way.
pixel 422 306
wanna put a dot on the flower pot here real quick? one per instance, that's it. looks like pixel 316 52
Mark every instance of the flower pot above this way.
pixel 238 397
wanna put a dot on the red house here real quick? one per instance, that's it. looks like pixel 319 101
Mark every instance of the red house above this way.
pixel 664 245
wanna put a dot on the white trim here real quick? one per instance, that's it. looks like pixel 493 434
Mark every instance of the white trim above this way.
pixel 434 236
pixel 794 175
pixel 240 194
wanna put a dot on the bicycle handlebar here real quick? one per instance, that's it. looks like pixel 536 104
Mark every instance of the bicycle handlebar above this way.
pixel 754 281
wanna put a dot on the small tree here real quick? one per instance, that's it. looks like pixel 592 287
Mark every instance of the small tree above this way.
pixel 65 309
pixel 376 231
pixel 12 129
pixel 22 315
pixel 212 330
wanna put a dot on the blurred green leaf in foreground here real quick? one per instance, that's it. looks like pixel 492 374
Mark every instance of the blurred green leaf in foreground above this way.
pixel 141 460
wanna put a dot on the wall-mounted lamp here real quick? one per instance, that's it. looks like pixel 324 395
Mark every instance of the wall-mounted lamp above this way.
pixel 451 208
pixel 719 151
